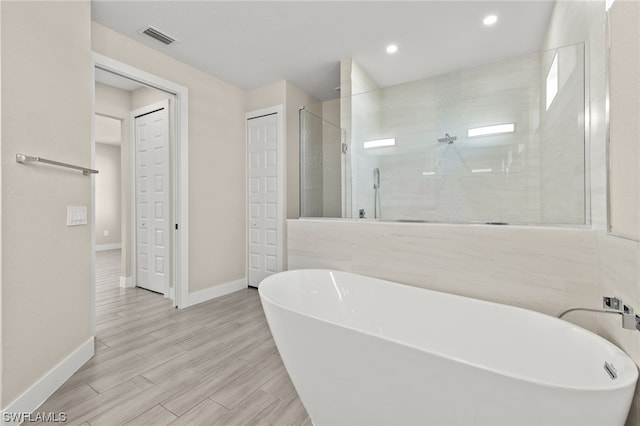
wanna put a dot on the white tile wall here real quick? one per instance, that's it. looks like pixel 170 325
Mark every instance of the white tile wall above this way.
pixel 532 267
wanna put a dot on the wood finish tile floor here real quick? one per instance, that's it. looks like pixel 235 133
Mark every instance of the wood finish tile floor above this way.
pixel 213 363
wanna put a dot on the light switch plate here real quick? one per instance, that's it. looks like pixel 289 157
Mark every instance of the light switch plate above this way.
pixel 76 215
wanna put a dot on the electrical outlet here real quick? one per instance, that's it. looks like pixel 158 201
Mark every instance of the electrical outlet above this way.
pixel 106 233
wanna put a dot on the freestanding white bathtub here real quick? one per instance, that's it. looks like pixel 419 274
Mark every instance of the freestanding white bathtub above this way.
pixel 363 351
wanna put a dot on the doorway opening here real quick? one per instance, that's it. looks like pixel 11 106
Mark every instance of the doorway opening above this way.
pixel 122 93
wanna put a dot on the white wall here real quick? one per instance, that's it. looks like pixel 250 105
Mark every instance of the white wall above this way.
pixel 46 265
pixel 107 195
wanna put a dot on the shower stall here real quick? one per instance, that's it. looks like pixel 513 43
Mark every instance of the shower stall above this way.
pixel 502 143
pixel 322 164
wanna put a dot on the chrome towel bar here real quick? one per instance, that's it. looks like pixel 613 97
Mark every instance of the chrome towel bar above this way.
pixel 21 158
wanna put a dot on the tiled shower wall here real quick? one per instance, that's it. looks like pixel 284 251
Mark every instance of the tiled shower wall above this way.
pixel 486 179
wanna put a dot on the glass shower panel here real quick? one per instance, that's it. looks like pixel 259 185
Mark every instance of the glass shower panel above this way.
pixel 321 167
pixel 475 146
pixel 562 139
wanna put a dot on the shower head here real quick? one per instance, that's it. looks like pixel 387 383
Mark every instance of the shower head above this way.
pixel 447 138
pixel 376 178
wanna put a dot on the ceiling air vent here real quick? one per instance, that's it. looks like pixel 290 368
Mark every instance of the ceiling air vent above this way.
pixel 161 37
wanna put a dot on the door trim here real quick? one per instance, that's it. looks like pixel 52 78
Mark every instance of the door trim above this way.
pixel 179 171
pixel 279 111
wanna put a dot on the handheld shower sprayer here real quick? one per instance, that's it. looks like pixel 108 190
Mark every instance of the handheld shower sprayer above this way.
pixel 376 193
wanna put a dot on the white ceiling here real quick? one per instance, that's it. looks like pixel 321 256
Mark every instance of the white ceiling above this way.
pixel 255 43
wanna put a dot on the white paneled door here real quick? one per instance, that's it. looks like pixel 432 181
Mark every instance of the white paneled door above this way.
pixel 264 198
pixel 152 221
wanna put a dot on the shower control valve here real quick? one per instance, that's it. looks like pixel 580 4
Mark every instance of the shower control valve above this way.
pixel 611 303
pixel 630 320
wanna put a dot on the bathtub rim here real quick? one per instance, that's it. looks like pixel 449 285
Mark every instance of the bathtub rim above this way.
pixel 618 385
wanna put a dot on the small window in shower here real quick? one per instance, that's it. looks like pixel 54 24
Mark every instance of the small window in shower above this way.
pixel 552 81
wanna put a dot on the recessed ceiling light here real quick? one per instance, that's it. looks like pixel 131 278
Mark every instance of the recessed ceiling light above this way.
pixel 490 20
pixel 392 48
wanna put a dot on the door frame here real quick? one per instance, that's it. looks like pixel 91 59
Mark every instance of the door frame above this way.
pixel 279 111
pixel 164 104
pixel 179 172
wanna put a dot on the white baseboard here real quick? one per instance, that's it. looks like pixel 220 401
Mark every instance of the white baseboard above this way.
pixel 38 393
pixel 126 282
pixel 112 246
pixel 216 291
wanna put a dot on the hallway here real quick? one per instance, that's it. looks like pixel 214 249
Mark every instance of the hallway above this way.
pixel 213 363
